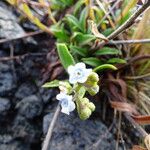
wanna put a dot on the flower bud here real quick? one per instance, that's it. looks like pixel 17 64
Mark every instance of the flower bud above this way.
pixel 85 113
pixel 92 80
pixel 93 90
pixel 91 106
pixel 93 77
pixel 85 101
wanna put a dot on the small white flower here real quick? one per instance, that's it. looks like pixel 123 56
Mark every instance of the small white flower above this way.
pixel 78 73
pixel 66 103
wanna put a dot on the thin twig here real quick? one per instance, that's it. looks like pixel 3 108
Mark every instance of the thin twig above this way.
pixel 124 26
pixel 50 129
pixel 21 37
pixel 136 41
pixel 142 132
pixel 12 62
pixel 122 141
pixel 119 130
pixel 21 56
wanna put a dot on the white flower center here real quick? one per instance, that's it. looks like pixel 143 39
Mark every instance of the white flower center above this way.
pixel 78 73
pixel 64 102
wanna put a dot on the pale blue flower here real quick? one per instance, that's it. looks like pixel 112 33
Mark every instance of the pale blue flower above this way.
pixel 66 103
pixel 78 73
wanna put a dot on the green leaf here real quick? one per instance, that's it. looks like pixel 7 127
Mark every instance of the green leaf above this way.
pixel 64 55
pixel 67 2
pixel 108 31
pixel 59 32
pixel 105 66
pixel 78 6
pixel 81 51
pixel 116 61
pixel 82 20
pixel 108 51
pixel 51 84
pixel 83 39
pixel 92 61
pixel 72 19
pixel 57 5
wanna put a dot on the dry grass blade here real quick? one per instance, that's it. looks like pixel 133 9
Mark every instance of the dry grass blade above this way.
pixel 137 147
pixel 143 120
pixel 143 100
pixel 96 32
pixel 123 106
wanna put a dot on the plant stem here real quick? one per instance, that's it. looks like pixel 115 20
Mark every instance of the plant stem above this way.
pixel 50 129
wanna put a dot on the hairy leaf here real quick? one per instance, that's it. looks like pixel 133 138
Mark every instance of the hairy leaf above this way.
pixel 92 61
pixel 64 55
pixel 54 83
pixel 108 51
pixel 105 66
pixel 81 51
pixel 83 39
pixel 116 61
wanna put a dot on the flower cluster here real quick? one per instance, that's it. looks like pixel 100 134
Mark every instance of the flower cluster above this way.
pixel 72 93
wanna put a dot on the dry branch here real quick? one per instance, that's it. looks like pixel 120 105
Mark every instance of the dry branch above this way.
pixel 50 129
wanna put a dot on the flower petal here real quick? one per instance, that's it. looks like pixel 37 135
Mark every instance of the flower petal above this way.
pixel 88 71
pixel 83 79
pixel 71 106
pixel 65 110
pixel 72 80
pixel 69 97
pixel 70 69
pixel 59 96
pixel 80 65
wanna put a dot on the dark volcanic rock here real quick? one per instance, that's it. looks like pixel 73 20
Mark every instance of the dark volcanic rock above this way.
pixel 9 27
pixel 27 131
pixel 7 80
pixel 47 94
pixel 25 89
pixel 7 142
pixel 28 68
pixel 15 145
pixel 30 107
pixel 4 105
pixel 71 133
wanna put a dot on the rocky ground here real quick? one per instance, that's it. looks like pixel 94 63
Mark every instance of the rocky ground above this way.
pixel 26 109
